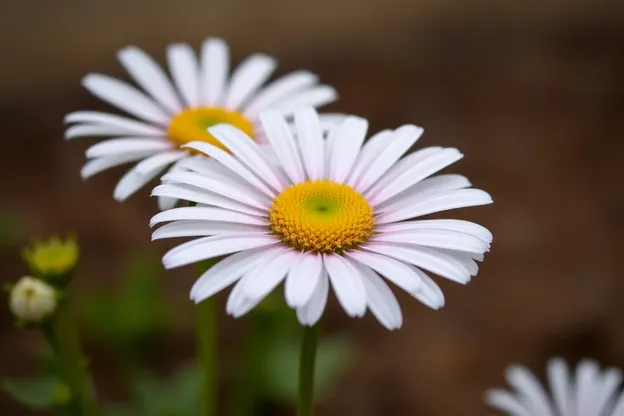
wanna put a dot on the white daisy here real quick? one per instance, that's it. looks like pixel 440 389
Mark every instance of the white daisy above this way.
pixel 333 212
pixel 175 113
pixel 590 391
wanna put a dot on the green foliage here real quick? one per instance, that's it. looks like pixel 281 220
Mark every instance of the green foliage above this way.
pixel 39 393
pixel 178 395
pixel 137 312
pixel 9 227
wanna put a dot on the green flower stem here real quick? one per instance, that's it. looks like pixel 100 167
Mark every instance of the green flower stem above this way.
pixel 207 350
pixel 307 359
pixel 62 335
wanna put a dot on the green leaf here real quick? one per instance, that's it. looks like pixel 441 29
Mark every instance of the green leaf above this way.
pixel 281 367
pixel 39 393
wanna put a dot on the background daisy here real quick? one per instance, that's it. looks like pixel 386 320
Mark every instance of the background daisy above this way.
pixel 335 212
pixel 174 112
pixel 588 391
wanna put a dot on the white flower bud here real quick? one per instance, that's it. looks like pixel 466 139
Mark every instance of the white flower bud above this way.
pixel 32 300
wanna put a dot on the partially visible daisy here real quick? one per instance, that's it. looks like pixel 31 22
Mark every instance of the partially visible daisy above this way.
pixel 329 211
pixel 589 391
pixel 172 114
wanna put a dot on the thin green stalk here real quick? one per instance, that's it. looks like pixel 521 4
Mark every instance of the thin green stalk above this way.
pixel 62 335
pixel 307 359
pixel 207 349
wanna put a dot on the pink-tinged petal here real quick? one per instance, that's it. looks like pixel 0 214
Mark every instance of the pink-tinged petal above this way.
pixel 437 202
pixel 116 125
pixel 280 89
pixel 214 246
pixel 226 272
pixel 151 77
pixel 346 147
pixel 134 179
pixel 215 64
pixel 395 271
pixel 451 240
pixel 459 226
pixel 347 284
pixel 200 196
pixel 185 72
pixel 370 151
pixel 418 172
pixel 159 161
pixel 202 228
pixel 310 313
pixel 313 97
pixel 127 145
pixel 250 153
pixel 125 97
pixel 268 276
pixel 381 301
pixel 95 166
pixel 247 79
pixel 283 143
pixel 527 385
pixel 311 142
pixel 208 214
pixel 404 137
pixel 303 279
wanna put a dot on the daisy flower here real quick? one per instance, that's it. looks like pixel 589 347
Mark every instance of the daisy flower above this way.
pixel 589 391
pixel 328 211
pixel 171 114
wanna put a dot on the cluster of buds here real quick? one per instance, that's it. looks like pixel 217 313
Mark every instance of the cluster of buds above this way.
pixel 33 299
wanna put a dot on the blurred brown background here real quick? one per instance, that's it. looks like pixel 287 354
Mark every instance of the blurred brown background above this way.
pixel 531 91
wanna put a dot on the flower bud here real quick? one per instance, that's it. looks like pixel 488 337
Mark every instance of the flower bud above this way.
pixel 53 260
pixel 32 300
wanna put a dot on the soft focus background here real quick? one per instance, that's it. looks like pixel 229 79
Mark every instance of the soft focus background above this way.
pixel 531 91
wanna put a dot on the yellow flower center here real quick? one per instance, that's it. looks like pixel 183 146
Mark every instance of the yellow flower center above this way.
pixel 321 216
pixel 192 125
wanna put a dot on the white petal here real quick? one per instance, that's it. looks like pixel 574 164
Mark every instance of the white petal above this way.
pixel 347 284
pixel 465 259
pixel 418 172
pixel 200 196
pixel 404 137
pixel 397 272
pixel 428 259
pixel 330 120
pixel 346 147
pixel 506 402
pixel 313 97
pixel 451 240
pixel 98 165
pixel 370 151
pixel 185 72
pixel 221 185
pixel 125 97
pixel 214 246
pixel 202 228
pixel 165 202
pixel 215 63
pixel 460 226
pixel 312 311
pixel 231 163
pixel 428 186
pixel 127 145
pixel 401 166
pixel 284 144
pixel 267 276
pixel 248 152
pixel 530 387
pixel 278 90
pixel 618 409
pixel 429 293
pixel 437 202
pixel 247 79
pixel 85 130
pixel 150 76
pixel 224 273
pixel 134 180
pixel 115 124
pixel 206 213
pixel 303 279
pixel 311 142
pixel 586 377
pixel 381 301
pixel 159 161
pixel 608 389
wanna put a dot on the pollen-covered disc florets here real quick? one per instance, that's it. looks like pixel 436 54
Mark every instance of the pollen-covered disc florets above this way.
pixel 321 216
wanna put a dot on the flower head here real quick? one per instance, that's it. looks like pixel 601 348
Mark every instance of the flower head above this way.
pixel 323 211
pixel 53 258
pixel 32 300
pixel 590 391
pixel 172 114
